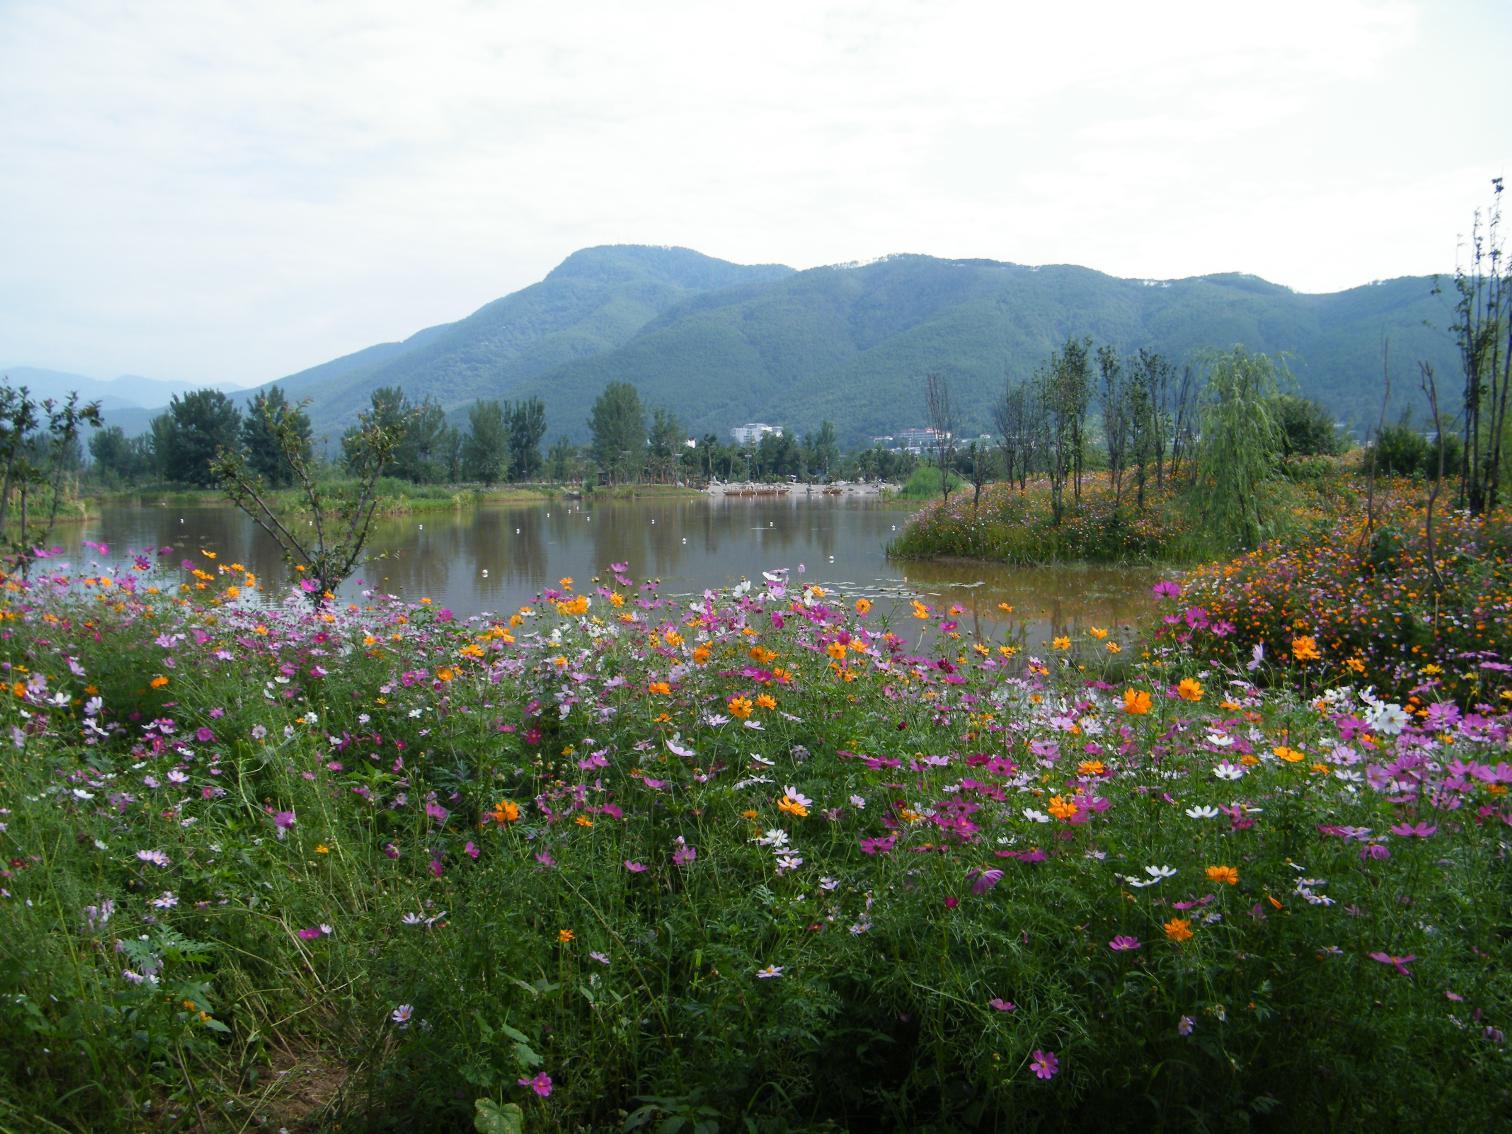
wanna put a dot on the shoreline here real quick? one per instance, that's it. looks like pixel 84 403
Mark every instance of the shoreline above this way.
pixel 757 488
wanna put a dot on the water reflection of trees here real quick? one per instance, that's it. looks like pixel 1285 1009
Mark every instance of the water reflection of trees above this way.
pixel 524 549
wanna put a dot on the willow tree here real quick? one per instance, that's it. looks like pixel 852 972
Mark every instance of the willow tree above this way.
pixel 1238 445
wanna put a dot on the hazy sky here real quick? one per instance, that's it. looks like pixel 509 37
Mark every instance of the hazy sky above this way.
pixel 237 190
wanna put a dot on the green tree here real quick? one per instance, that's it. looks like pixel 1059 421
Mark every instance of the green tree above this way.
pixel 1238 447
pixel 264 449
pixel 422 455
pixel 196 427
pixel 1064 386
pixel 821 451
pixel 117 458
pixel 664 446
pixel 527 425
pixel 1018 418
pixel 39 448
pixel 485 451
pixel 618 424
pixel 564 462
pixel 1306 428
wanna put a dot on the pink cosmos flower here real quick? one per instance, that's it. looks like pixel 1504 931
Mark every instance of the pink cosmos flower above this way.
pixel 1044 1064
pixel 541 1084
pixel 1124 943
pixel 1398 963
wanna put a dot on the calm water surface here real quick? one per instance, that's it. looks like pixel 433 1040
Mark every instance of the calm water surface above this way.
pixel 497 558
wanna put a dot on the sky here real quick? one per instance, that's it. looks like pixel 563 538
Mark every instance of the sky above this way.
pixel 217 190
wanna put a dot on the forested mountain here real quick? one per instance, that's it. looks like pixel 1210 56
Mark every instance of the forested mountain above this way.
pixel 593 302
pixel 851 345
pixel 720 344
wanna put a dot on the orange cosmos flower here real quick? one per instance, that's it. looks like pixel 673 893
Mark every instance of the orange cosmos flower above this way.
pixel 1190 689
pixel 505 811
pixel 1179 929
pixel 1224 874
pixel 863 606
pixel 1305 649
pixel 740 707
pixel 1136 701
pixel 1061 807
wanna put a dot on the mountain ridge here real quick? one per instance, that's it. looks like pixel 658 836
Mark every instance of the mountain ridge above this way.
pixel 720 343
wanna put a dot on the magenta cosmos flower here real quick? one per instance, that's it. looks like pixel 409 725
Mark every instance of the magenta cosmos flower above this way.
pixel 1044 1064
pixel 1123 943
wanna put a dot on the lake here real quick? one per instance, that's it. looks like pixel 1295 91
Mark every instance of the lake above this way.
pixel 496 558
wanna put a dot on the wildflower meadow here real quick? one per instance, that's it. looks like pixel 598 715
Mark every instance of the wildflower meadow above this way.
pixel 769 859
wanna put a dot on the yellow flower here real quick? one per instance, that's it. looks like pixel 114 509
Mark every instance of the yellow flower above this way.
pixel 836 650
pixel 1097 632
pixel 1224 874
pixel 1190 689
pixel 564 936
pixel 1113 647
pixel 1290 755
pixel 766 701
pixel 661 688
pixel 1305 648
pixel 565 582
pixel 920 610
pixel 863 606
pixel 1061 643
pixel 740 707
pixel 1179 929
pixel 1091 767
pixel 1005 607
pixel 321 848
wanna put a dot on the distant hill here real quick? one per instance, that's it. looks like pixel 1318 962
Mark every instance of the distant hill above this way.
pixel 720 343
pixel 129 391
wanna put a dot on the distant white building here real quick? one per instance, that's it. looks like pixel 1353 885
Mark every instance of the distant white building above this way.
pixel 752 432
pixel 917 440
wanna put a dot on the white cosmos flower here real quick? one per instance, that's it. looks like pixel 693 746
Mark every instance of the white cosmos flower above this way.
pixel 1159 872
pixel 1219 740
pixel 1035 816
pixel 1227 771
pixel 1204 812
